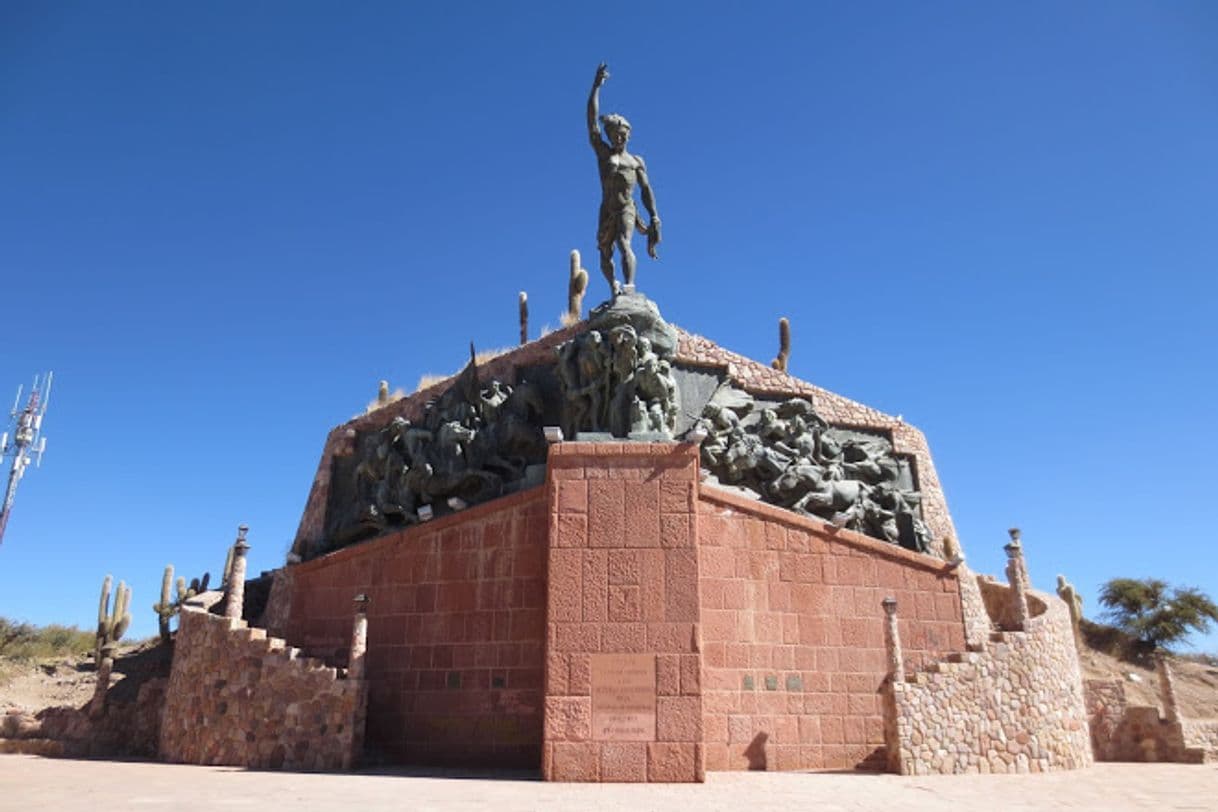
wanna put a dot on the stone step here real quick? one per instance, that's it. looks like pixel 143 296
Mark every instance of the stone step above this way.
pixel 51 748
pixel 1196 755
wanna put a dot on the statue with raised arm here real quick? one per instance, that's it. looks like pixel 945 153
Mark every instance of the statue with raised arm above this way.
pixel 620 172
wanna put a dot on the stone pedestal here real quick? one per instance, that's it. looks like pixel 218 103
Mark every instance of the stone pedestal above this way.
pixel 623 694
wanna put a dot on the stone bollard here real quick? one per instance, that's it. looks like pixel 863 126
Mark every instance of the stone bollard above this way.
pixel 236 581
pixel 359 638
pixel 1017 576
pixel 892 640
pixel 1167 688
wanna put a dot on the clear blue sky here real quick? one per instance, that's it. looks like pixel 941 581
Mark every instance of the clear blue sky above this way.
pixel 222 223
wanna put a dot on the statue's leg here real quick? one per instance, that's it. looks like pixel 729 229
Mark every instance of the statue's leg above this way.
pixel 625 230
pixel 607 268
pixel 605 234
pixel 628 261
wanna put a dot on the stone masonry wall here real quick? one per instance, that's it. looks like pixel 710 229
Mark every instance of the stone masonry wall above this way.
pixel 1202 734
pixel 238 698
pixel 792 634
pixel 1124 732
pixel 456 629
pixel 1106 705
pixel 623 587
pixel 977 621
pixel 1016 707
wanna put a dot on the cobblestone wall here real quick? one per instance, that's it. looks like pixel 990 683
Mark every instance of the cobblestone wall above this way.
pixel 1124 732
pixel 1106 704
pixel 237 697
pixel 1202 734
pixel 1016 707
pixel 977 621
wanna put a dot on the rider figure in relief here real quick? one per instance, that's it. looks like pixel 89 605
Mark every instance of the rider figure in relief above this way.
pixel 620 172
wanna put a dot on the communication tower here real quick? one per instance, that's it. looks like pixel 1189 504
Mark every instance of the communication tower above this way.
pixel 26 442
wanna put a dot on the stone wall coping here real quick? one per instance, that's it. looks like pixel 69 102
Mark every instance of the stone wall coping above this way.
pixel 722 496
pixel 620 448
pixel 440 523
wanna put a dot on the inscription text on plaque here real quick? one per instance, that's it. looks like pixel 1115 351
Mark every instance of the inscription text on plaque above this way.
pixel 624 697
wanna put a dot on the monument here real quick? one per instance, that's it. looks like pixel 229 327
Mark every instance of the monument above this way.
pixel 621 552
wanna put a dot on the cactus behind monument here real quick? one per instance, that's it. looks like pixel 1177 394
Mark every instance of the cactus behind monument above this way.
pixel 112 622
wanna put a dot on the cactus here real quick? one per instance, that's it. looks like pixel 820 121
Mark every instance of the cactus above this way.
pixel 524 317
pixel 577 285
pixel 166 609
pixel 784 345
pixel 111 623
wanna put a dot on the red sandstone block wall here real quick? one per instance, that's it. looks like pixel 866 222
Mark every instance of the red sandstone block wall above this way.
pixel 623 579
pixel 456 629
pixel 792 629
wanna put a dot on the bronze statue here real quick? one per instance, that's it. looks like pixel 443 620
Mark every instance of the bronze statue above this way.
pixel 620 172
pixel 788 456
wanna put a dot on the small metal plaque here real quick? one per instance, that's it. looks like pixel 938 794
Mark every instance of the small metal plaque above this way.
pixel 624 697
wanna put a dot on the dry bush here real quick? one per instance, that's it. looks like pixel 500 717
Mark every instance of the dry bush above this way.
pixel 431 379
pixel 24 641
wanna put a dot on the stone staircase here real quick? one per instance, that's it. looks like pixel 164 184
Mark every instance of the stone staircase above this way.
pixel 240 697
pixel 1011 703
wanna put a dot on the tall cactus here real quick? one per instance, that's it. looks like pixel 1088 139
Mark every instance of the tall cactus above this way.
pixel 577 285
pixel 111 624
pixel 784 345
pixel 166 608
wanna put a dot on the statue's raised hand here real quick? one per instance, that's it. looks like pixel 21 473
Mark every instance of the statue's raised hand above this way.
pixel 602 73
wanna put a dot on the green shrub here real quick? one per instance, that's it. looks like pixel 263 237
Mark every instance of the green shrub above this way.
pixel 1156 614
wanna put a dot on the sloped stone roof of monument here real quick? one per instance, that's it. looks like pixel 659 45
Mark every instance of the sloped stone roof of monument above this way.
pixel 762 379
pixel 753 376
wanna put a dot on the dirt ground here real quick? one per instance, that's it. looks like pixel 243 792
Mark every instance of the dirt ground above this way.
pixel 1196 683
pixel 69 681
pixel 29 782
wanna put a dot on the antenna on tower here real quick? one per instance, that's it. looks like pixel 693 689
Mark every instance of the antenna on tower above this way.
pixel 26 431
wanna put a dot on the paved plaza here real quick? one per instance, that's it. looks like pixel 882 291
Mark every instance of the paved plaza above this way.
pixel 33 783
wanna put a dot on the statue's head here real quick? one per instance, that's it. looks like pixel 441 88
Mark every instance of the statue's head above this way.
pixel 618 130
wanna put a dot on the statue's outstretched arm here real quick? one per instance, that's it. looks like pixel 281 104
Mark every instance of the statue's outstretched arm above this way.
pixel 594 128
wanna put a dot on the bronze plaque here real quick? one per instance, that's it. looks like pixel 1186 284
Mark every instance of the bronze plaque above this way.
pixel 624 697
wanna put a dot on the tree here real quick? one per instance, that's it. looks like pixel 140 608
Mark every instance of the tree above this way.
pixel 1154 612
